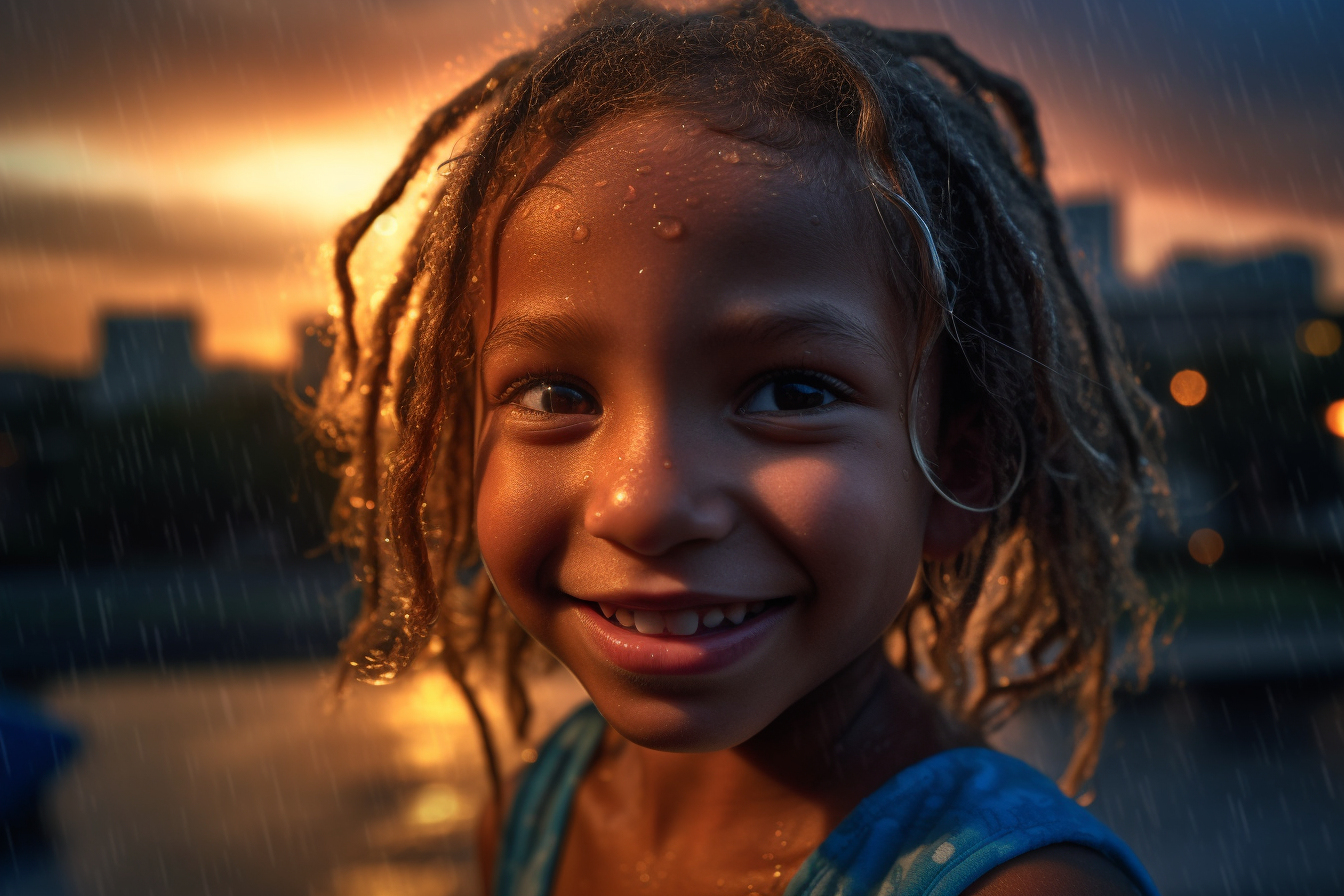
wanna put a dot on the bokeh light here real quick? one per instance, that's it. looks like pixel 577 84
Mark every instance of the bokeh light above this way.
pixel 1189 387
pixel 1334 418
pixel 1319 337
pixel 1206 546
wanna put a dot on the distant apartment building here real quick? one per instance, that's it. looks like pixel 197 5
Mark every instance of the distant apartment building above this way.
pixel 1197 303
pixel 146 360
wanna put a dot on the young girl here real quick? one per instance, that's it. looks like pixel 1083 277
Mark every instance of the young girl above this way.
pixel 742 366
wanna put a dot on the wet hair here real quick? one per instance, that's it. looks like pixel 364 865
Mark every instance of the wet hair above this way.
pixel 950 156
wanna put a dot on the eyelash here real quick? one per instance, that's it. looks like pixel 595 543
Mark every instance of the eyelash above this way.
pixel 529 379
pixel 842 390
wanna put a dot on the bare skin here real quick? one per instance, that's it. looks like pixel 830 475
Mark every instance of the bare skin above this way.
pixel 693 390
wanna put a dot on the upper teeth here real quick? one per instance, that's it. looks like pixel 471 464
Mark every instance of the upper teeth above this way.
pixel 681 622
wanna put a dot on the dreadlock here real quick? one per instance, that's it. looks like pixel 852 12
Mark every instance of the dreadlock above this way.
pixel 952 156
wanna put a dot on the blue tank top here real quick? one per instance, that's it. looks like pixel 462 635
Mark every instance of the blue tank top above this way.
pixel 931 830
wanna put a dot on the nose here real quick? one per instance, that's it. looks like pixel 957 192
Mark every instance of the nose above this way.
pixel 650 502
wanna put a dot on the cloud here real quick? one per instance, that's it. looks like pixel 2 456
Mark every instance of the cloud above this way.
pixel 1237 97
pixel 132 228
pixel 134 60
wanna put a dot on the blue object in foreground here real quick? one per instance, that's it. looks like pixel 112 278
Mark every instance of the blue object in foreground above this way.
pixel 32 749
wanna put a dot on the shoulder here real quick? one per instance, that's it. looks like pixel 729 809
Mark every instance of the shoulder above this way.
pixel 1062 869
pixel 972 821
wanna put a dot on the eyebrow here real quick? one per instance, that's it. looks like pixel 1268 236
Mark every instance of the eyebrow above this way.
pixel 541 331
pixel 746 326
pixel 815 322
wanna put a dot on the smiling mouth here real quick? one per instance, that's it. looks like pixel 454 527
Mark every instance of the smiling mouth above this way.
pixel 687 622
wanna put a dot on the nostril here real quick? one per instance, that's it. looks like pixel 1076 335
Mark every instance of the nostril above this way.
pixel 651 508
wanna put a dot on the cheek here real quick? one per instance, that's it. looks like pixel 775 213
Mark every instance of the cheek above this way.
pixel 521 517
pixel 848 517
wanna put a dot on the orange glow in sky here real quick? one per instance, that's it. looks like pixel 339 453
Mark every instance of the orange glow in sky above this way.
pixel 213 191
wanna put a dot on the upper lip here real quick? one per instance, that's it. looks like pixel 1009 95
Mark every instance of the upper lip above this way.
pixel 668 602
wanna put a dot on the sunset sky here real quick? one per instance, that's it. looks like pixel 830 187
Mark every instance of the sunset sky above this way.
pixel 194 154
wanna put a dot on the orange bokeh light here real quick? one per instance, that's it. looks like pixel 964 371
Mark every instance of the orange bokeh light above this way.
pixel 1319 337
pixel 1334 418
pixel 1189 387
pixel 1206 546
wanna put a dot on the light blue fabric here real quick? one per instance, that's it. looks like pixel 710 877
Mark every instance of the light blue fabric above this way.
pixel 534 832
pixel 931 830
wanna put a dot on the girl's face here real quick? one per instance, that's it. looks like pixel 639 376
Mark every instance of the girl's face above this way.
pixel 694 482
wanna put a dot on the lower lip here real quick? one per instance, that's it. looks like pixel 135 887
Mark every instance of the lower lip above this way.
pixel 676 654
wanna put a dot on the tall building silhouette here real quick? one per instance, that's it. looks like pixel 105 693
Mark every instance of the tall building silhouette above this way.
pixel 146 359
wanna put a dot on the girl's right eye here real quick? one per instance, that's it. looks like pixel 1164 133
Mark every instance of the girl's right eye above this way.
pixel 555 398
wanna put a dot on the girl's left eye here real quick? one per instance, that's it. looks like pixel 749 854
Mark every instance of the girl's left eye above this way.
pixel 792 393
pixel 556 398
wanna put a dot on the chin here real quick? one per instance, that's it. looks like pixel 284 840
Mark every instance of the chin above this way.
pixel 686 724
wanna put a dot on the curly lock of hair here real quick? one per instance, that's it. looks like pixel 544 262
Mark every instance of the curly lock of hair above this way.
pixel 951 156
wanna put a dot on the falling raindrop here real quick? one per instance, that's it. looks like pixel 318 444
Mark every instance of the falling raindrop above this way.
pixel 668 228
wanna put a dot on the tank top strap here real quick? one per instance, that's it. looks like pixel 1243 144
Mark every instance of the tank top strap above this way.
pixel 937 826
pixel 534 830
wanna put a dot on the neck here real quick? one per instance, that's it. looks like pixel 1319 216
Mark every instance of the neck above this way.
pixel 829 750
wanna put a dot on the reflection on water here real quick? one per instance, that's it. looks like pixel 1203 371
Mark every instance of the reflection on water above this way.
pixel 249 781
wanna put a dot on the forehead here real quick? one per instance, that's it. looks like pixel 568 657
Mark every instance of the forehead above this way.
pixel 663 216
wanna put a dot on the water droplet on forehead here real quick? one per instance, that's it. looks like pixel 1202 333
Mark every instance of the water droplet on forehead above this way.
pixel 730 156
pixel 643 169
pixel 580 233
pixel 693 201
pixel 630 194
pixel 814 221
pixel 905 474
pixel 668 228
pixel 601 183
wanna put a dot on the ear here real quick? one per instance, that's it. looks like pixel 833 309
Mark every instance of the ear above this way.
pixel 964 471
